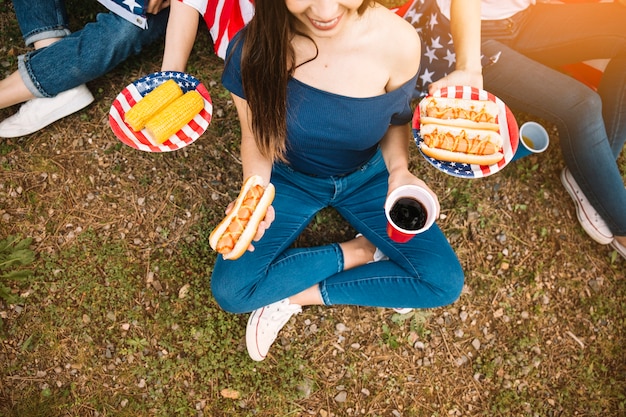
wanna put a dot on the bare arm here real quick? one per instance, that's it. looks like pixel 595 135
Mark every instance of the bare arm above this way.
pixel 182 27
pixel 465 27
pixel 252 160
pixel 253 163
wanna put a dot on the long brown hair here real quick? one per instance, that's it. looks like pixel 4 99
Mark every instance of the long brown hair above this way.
pixel 268 61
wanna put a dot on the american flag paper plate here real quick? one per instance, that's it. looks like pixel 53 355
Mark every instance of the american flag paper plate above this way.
pixel 137 90
pixel 508 130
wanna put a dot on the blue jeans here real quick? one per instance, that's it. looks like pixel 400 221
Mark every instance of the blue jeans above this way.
pixel 424 272
pixel 81 56
pixel 591 126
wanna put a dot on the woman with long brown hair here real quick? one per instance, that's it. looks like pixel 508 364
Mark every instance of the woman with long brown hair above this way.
pixel 323 91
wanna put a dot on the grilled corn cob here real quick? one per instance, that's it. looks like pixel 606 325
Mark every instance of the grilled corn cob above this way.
pixel 172 118
pixel 151 104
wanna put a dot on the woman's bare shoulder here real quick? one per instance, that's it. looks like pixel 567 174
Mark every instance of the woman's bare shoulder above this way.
pixel 399 42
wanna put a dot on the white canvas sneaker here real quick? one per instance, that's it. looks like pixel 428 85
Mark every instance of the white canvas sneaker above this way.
pixel 38 113
pixel 264 325
pixel 588 217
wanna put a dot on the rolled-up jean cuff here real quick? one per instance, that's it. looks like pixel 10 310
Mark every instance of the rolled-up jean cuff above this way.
pixel 47 34
pixel 27 78
pixel 340 266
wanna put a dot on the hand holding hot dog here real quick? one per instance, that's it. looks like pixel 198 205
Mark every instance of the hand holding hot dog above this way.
pixel 246 220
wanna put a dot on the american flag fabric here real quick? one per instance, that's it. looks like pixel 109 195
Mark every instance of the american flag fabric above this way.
pixel 136 90
pixel 131 10
pixel 224 18
pixel 508 130
pixel 438 55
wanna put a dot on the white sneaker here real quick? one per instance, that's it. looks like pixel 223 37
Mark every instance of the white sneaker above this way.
pixel 38 113
pixel 264 325
pixel 619 248
pixel 588 217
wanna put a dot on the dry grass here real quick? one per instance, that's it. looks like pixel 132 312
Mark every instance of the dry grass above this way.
pixel 118 319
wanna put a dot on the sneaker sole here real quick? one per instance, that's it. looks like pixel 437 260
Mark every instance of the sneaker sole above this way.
pixel 584 221
pixel 251 338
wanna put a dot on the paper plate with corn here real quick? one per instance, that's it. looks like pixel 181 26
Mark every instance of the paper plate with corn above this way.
pixel 161 112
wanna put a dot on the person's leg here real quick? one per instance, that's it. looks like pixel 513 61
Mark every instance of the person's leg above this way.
pixel 555 35
pixel 274 270
pixel 41 21
pixel 275 280
pixel 13 91
pixel 53 78
pixel 576 110
pixel 88 53
pixel 421 273
pixel 612 89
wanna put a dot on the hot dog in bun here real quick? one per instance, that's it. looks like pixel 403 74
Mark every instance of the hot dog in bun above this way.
pixel 235 232
pixel 459 144
pixel 460 130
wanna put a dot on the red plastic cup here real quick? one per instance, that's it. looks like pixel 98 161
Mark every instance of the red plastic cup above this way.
pixel 399 234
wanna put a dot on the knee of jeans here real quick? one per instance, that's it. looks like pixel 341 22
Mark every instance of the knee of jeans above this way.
pixel 491 48
pixel 454 282
pixel 585 102
pixel 228 294
pixel 225 297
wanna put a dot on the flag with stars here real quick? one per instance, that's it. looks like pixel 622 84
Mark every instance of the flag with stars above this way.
pixel 438 57
pixel 131 10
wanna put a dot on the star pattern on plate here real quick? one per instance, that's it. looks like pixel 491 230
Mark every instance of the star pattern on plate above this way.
pixel 139 88
pixel 148 83
pixel 455 169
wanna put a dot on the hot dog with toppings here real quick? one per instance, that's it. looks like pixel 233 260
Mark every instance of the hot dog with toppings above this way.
pixel 235 232
pixel 460 130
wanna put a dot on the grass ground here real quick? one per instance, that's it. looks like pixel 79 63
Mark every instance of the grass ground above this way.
pixel 117 318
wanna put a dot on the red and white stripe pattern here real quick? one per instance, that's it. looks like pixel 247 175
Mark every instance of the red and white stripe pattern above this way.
pixel 508 130
pixel 224 18
pixel 135 91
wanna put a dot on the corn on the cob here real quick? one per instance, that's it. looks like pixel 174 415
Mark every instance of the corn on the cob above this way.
pixel 152 103
pixel 172 118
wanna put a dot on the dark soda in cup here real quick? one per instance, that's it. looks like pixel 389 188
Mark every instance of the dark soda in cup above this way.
pixel 410 209
pixel 408 213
